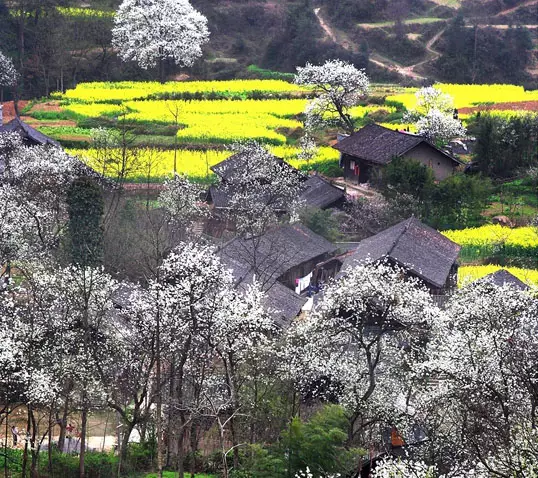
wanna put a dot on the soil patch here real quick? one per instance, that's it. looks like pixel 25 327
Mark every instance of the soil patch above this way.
pixel 47 106
pixel 514 106
pixel 9 109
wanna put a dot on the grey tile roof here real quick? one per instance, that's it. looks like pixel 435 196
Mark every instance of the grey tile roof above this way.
pixel 317 192
pixel 283 303
pixel 16 125
pixel 321 193
pixel 503 277
pixel 269 257
pixel 411 244
pixel 377 144
pixel 226 169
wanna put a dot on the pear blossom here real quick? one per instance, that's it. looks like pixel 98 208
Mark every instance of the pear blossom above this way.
pixel 339 85
pixel 8 73
pixel 355 346
pixel 438 126
pixel 150 31
pixel 261 188
pixel 433 116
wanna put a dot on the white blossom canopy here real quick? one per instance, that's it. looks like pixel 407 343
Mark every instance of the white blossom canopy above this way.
pixel 148 31
pixel 436 125
pixel 8 73
pixel 340 86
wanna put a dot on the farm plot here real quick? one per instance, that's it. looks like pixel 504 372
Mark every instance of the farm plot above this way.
pixel 495 240
pixel 106 92
pixel 472 95
pixel 156 165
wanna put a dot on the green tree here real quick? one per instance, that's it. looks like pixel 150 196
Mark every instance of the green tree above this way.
pixel 458 201
pixel 407 176
pixel 85 235
pixel 505 145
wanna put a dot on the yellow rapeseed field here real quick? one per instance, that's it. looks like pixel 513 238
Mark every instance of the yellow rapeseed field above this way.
pixel 130 90
pixel 194 164
pixel 524 237
pixel 469 95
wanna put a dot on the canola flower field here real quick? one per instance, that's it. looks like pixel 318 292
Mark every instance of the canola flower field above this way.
pixel 106 92
pixel 472 95
pixel 467 274
pixel 194 163
pixel 213 114
pixel 494 239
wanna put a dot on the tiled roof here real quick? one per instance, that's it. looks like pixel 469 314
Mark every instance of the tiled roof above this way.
pixel 411 244
pixel 16 125
pixel 377 144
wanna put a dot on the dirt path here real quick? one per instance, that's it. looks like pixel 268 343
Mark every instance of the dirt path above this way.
pixel 379 60
pixel 517 7
pixel 324 25
pixel 433 54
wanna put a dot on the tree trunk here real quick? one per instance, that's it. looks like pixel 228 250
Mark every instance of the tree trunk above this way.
pixel 63 425
pixel 125 444
pixel 82 456
pixel 25 452
pixel 158 408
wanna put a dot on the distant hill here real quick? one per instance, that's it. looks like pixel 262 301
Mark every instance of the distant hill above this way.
pixel 404 41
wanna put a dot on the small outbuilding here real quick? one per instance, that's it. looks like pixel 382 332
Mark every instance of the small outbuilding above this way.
pixel 502 277
pixel 30 136
pixel 316 191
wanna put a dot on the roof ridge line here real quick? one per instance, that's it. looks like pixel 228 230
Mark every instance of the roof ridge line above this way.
pixel 404 230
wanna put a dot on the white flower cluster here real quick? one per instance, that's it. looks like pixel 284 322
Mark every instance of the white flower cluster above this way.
pixel 433 116
pixel 32 188
pixel 339 85
pixel 8 73
pixel 182 199
pixel 260 188
pixel 149 31
pixel 436 125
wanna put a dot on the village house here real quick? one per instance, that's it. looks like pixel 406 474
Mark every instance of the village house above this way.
pixel 316 192
pixel 287 261
pixel 421 250
pixel 374 146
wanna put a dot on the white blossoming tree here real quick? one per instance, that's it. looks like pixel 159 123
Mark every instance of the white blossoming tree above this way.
pixel 8 73
pixel 437 126
pixel 398 468
pixel 33 189
pixel 433 116
pixel 56 336
pixel 339 85
pixel 152 31
pixel 181 198
pixel 260 188
pixel 480 405
pixel 355 346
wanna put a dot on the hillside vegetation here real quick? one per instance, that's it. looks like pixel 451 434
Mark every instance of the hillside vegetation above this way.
pixel 59 43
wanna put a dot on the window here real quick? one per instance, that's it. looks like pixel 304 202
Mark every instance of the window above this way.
pixel 352 165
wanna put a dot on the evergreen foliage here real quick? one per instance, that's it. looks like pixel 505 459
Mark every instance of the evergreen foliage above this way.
pixel 85 206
